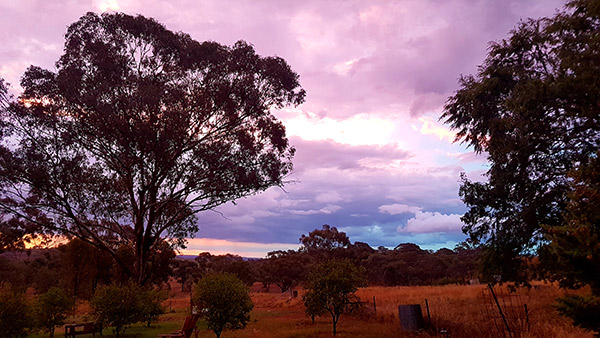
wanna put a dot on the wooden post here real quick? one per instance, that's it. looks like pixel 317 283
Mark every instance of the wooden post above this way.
pixel 428 315
pixel 374 306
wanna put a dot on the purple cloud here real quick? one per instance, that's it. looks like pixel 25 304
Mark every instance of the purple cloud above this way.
pixel 371 157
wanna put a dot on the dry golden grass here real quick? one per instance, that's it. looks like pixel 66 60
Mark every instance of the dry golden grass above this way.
pixel 470 311
pixel 465 311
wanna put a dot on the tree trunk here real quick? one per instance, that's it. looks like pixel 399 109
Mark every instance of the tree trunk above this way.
pixel 335 321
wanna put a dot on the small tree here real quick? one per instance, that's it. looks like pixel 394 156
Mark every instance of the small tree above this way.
pixel 151 304
pixel 52 308
pixel 14 314
pixel 224 301
pixel 117 306
pixel 331 287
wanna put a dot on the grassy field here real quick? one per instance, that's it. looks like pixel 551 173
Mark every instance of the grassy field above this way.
pixel 463 311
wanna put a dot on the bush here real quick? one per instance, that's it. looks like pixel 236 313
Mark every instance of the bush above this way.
pixel 117 306
pixel 224 302
pixel 52 307
pixel 150 301
pixel 14 314
pixel 584 311
pixel 331 287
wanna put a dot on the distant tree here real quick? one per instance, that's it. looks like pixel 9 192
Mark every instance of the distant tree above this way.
pixel 117 306
pixel 331 287
pixel 285 268
pixel 186 273
pixel 14 314
pixel 52 308
pixel 224 302
pixel 235 265
pixel 326 239
pixel 138 130
pixel 533 109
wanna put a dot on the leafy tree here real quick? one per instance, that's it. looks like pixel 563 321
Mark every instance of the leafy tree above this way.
pixel 331 287
pixel 83 267
pixel 285 268
pixel 14 232
pixel 151 304
pixel 138 130
pixel 224 301
pixel 533 108
pixel 326 239
pixel 574 247
pixel 52 308
pixel 117 305
pixel 186 273
pixel 14 314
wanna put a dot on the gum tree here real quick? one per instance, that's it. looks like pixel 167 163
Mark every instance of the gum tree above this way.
pixel 138 130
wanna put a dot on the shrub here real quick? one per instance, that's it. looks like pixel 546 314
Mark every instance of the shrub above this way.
pixel 117 305
pixel 331 287
pixel 583 310
pixel 14 314
pixel 150 301
pixel 52 307
pixel 224 302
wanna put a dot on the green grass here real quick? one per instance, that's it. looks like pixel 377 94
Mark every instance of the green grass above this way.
pixel 167 323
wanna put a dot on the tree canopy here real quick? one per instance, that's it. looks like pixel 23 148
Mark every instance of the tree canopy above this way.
pixel 139 129
pixel 224 302
pixel 331 287
pixel 533 109
pixel 326 239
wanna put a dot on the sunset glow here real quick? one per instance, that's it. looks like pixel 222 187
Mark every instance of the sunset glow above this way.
pixel 372 157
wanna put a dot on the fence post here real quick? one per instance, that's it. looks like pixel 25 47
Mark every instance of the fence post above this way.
pixel 500 310
pixel 374 306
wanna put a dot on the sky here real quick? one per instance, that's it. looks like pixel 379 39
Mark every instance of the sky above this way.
pixel 372 157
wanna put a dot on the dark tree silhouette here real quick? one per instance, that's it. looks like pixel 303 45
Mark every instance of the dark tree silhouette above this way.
pixel 331 287
pixel 326 239
pixel 533 108
pixel 139 129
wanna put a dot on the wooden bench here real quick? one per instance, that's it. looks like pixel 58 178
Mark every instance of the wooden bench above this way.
pixel 72 330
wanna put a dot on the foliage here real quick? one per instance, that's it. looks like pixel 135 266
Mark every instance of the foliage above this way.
pixel 224 301
pixel 14 232
pixel 84 267
pixel 151 304
pixel 574 248
pixel 284 268
pixel 533 108
pixel 52 308
pixel 331 287
pixel 138 130
pixel 14 314
pixel 408 264
pixel 117 305
pixel 584 311
pixel 326 239
pixel 186 273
